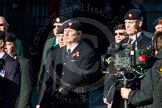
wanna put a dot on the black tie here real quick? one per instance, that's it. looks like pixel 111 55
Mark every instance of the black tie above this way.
pixel 129 42
pixel 69 51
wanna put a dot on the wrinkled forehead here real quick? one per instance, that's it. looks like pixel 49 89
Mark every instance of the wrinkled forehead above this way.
pixel 10 43
pixel 70 29
pixel 158 26
pixel 120 30
pixel 57 24
pixel 2 20
pixel 129 21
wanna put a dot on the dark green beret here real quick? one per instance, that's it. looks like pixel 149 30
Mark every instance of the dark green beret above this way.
pixel 158 21
pixel 133 14
pixel 60 19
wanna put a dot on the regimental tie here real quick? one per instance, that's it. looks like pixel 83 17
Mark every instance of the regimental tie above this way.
pixel 68 52
pixel 130 40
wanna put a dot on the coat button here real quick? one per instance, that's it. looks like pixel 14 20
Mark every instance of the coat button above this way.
pixel 64 63
pixel 62 73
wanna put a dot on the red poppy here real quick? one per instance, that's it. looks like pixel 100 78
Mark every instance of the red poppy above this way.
pixel 76 54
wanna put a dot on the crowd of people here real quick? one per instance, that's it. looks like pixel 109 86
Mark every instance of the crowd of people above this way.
pixel 70 65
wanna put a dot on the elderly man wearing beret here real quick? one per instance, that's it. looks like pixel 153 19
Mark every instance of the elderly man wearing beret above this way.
pixel 133 23
pixel 137 40
pixel 70 71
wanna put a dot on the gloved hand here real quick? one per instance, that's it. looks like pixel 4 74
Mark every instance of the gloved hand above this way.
pixel 62 90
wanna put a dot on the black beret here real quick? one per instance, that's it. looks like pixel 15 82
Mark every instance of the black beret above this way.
pixel 10 37
pixel 119 26
pixel 2 35
pixel 158 21
pixel 60 30
pixel 59 19
pixel 73 24
pixel 133 14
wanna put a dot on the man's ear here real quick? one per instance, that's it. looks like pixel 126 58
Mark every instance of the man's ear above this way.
pixel 140 23
pixel 79 32
pixel 1 43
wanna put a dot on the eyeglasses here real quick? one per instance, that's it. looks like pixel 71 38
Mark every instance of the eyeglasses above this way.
pixel 54 26
pixel 1 24
pixel 115 34
pixel 57 25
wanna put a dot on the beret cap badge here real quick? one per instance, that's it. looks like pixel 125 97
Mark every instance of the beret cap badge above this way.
pixel 130 16
pixel 160 21
pixel 6 37
pixel 133 14
pixel 70 24
pixel 58 20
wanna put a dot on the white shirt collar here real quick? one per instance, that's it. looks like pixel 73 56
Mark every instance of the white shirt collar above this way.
pixel 57 40
pixel 2 54
pixel 72 48
pixel 134 37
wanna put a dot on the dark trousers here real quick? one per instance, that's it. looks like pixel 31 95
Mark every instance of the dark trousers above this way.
pixel 72 100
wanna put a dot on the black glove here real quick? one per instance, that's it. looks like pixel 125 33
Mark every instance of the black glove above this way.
pixel 62 90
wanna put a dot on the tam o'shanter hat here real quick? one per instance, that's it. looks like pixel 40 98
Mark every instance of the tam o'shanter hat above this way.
pixel 158 21
pixel 133 14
